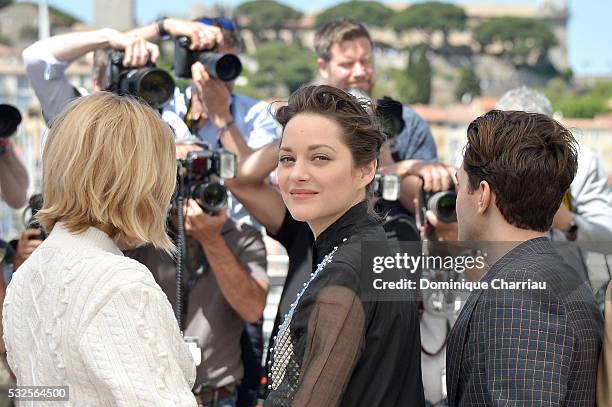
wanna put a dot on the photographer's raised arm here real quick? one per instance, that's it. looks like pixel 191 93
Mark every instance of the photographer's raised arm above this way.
pixel 201 36
pixel 262 200
pixel 46 60
pixel 13 179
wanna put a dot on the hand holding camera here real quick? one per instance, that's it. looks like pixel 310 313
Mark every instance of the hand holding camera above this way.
pixel 137 51
pixel 214 96
pixel 28 242
pixel 203 227
pixel 201 36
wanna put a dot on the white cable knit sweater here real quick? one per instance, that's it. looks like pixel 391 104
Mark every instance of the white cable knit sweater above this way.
pixel 79 313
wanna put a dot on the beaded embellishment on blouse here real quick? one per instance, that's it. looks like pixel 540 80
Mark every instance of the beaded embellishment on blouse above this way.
pixel 285 370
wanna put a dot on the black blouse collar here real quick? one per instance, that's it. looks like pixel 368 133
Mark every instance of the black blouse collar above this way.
pixel 340 230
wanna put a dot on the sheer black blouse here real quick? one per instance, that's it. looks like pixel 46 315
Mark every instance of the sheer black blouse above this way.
pixel 336 347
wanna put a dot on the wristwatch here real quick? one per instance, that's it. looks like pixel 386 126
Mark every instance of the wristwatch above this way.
pixel 160 27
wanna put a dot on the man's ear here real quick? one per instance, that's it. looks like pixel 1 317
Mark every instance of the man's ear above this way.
pixel 323 64
pixel 485 198
pixel 367 173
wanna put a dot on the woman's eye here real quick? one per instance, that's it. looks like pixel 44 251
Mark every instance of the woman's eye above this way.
pixel 320 158
pixel 285 159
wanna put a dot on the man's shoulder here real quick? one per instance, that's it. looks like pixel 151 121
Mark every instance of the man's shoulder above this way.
pixel 249 102
pixel 411 116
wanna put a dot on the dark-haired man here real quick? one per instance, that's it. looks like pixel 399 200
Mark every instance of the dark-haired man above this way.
pixel 532 338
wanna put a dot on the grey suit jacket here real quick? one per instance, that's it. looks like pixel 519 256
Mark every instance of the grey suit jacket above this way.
pixel 526 347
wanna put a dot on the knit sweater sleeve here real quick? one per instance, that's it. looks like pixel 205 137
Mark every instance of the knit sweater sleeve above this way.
pixel 133 351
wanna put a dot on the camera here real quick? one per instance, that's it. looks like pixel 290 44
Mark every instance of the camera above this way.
pixel 35 203
pixel 389 113
pixel 10 118
pixel 155 86
pixel 225 67
pixel 441 203
pixel 387 186
pixel 197 173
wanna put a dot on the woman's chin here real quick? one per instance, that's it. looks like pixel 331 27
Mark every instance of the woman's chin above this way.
pixel 300 214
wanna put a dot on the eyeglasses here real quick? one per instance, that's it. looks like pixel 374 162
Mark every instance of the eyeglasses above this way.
pixel 218 21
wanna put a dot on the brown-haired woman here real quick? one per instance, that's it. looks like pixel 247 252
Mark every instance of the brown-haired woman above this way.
pixel 334 347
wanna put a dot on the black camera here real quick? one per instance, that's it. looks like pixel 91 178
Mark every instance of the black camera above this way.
pixel 35 203
pixel 197 173
pixel 10 118
pixel 387 186
pixel 441 203
pixel 225 67
pixel 155 86
pixel 389 113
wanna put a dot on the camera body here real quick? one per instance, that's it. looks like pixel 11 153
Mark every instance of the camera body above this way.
pixel 198 173
pixel 35 203
pixel 390 115
pixel 441 203
pixel 387 186
pixel 225 67
pixel 155 86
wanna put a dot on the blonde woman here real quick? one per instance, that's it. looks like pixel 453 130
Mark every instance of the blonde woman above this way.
pixel 77 312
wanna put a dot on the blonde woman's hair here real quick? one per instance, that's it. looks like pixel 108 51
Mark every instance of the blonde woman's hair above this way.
pixel 109 162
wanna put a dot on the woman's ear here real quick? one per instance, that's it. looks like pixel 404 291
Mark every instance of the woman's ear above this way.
pixel 367 172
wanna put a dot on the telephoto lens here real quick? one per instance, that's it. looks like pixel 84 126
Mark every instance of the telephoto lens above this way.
pixel 442 204
pixel 155 86
pixel 211 196
pixel 225 67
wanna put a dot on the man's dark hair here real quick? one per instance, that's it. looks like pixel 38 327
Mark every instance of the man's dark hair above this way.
pixel 335 32
pixel 529 161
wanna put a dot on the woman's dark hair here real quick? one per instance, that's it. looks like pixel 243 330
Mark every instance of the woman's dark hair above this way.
pixel 360 130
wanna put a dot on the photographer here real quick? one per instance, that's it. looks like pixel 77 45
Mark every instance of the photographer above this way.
pixel 46 60
pixel 209 108
pixel 224 285
pixel 345 60
pixel 220 117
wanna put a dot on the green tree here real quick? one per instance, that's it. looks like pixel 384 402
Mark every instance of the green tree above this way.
pixel 367 12
pixel 267 14
pixel 556 89
pixel 469 83
pixel 414 86
pixel 582 106
pixel 517 35
pixel 297 66
pixel 429 18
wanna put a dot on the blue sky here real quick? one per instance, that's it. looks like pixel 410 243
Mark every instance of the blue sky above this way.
pixel 589 41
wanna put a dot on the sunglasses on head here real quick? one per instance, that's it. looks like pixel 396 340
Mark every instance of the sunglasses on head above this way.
pixel 218 21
